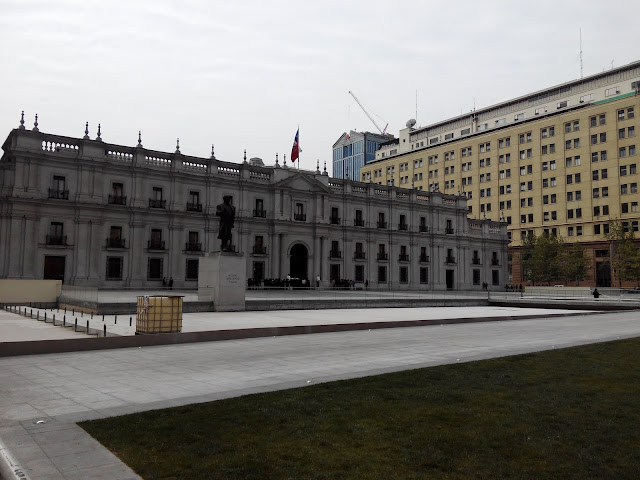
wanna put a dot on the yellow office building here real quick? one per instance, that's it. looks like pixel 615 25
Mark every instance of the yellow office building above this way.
pixel 562 160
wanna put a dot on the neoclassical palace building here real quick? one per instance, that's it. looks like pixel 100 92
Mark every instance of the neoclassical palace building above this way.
pixel 96 214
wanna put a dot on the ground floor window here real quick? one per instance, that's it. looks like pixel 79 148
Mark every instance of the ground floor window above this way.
pixel 382 274
pixel 114 268
pixel 154 269
pixel 495 277
pixel 191 272
pixel 476 276
pixel 404 275
pixel 334 272
pixel 258 271
pixel 424 274
pixel 359 273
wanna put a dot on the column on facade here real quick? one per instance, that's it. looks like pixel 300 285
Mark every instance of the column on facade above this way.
pixel 316 260
pixel 174 249
pixel 137 267
pixel 96 265
pixel 283 269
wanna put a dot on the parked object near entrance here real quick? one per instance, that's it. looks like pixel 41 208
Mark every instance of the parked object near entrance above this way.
pixel 158 314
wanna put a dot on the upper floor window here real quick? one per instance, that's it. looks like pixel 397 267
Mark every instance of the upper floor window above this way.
pixel 59 190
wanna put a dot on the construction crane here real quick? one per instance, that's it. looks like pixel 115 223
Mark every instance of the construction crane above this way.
pixel 382 132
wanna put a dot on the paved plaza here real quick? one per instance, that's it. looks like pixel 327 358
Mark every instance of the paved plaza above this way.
pixel 43 396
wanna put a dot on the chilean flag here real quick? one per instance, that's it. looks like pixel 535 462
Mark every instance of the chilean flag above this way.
pixel 295 151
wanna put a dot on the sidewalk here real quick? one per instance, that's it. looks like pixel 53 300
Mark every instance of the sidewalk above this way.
pixel 42 396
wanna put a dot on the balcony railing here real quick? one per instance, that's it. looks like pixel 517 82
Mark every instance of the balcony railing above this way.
pixel 403 226
pixel 334 220
pixel 155 244
pixel 448 231
pixel 359 256
pixel 335 254
pixel 300 217
pixel 403 257
pixel 153 203
pixel 193 207
pixel 475 261
pixel 450 260
pixel 193 246
pixel 382 224
pixel 59 194
pixel 117 199
pixel 424 258
pixel 383 256
pixel 358 222
pixel 423 229
pixel 260 213
pixel 495 261
pixel 116 242
pixel 56 240
pixel 259 250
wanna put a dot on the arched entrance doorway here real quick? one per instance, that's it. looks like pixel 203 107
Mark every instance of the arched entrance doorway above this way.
pixel 298 261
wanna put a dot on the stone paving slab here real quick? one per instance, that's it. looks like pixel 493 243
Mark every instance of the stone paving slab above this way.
pixel 61 389
pixel 124 325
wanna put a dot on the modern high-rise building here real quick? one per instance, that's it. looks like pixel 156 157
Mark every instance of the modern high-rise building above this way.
pixel 355 149
pixel 563 161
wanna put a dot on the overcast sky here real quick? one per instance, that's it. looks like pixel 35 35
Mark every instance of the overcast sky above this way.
pixel 244 75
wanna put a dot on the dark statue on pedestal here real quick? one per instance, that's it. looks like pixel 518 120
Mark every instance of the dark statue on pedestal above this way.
pixel 227 214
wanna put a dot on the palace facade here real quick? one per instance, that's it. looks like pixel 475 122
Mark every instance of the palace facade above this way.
pixel 97 214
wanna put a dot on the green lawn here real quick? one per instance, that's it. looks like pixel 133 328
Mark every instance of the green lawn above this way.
pixel 563 414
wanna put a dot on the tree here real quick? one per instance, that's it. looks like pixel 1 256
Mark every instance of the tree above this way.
pixel 625 257
pixel 576 264
pixel 542 258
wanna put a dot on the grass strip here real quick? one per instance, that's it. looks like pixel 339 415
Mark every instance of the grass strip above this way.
pixel 572 414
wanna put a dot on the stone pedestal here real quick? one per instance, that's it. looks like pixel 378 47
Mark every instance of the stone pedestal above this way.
pixel 222 280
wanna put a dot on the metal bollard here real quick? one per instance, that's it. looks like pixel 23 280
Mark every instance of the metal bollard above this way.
pixel 45 317
pixel 65 309
pixel 38 316
pixel 91 315
pixel 87 330
pixel 130 320
pixel 73 312
pixel 103 317
pixel 31 313
pixel 54 319
pixel 115 321
pixel 64 321
pixel 75 326
pixel 82 314
pixel 105 330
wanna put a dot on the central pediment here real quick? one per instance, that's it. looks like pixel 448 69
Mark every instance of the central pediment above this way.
pixel 303 182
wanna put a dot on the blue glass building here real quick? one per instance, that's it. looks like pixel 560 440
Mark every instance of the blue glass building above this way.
pixel 353 150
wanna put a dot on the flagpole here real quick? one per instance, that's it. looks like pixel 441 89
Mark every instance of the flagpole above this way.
pixel 298 147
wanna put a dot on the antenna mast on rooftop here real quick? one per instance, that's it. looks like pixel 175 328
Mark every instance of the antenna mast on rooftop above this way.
pixel 580 52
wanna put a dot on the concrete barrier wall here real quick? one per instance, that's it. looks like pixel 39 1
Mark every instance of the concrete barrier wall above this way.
pixel 30 291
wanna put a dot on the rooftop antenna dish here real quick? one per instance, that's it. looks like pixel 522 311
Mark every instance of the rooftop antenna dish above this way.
pixel 411 123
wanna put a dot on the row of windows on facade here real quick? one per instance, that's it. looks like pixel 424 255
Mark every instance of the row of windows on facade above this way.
pixel 155 271
pixel 599 119
pixel 598 210
pixel 403 274
pixel 578 230
pixel 623 152
pixel 546 166
pixel 526 137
